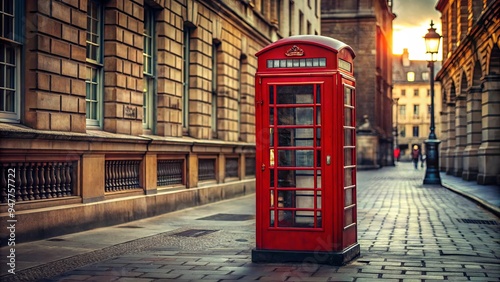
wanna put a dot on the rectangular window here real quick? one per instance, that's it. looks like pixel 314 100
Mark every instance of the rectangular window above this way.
pixel 215 49
pixel 428 92
pixel 425 76
pixel 185 93
pixel 94 77
pixel 415 131
pixel 403 132
pixel 410 76
pixel 301 20
pixel 10 60
pixel 403 92
pixel 148 68
pixel 416 110
pixel 402 110
pixel 415 92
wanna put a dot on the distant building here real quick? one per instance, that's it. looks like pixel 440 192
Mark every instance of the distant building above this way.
pixel 112 111
pixel 470 79
pixel 411 94
pixel 366 26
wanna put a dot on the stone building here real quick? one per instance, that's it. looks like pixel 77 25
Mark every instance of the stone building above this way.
pixel 112 111
pixel 411 95
pixel 470 79
pixel 366 26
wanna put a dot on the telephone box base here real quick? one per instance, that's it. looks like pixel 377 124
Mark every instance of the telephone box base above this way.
pixel 330 258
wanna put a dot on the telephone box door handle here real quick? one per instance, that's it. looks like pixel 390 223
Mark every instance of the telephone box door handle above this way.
pixel 328 160
pixel 263 167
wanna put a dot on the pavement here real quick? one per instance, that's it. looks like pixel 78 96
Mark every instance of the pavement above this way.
pixel 407 232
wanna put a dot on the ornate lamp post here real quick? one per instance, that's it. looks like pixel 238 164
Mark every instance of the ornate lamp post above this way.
pixel 432 39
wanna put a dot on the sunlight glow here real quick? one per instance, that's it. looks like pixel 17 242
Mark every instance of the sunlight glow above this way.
pixel 412 37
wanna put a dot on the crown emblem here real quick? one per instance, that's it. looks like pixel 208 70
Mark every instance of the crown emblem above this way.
pixel 294 52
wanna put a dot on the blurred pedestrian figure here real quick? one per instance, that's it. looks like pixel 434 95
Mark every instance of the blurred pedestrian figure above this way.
pixel 397 153
pixel 416 155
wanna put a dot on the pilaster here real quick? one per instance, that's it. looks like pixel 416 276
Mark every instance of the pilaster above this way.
pixel 489 151
pixel 470 159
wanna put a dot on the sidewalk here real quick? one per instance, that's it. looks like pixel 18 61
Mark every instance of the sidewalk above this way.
pixel 406 231
pixel 488 196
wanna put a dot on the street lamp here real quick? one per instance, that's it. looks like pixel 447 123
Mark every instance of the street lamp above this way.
pixel 432 39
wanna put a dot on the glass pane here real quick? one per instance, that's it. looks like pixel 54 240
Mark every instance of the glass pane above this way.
pixel 348 217
pixel 304 219
pixel 271 116
pixel 318 94
pixel 304 158
pixel 285 158
pixel 295 137
pixel 2 75
pixel 272 198
pixel 348 181
pixel 318 158
pixel 304 199
pixel 286 178
pixel 271 178
pixel 271 215
pixel 94 111
pixel 348 197
pixel 318 115
pixel 348 138
pixel 295 94
pixel 348 152
pixel 318 200
pixel 9 101
pixel 347 116
pixel 8 28
pixel 2 104
pixel 10 55
pixel 2 54
pixel 305 179
pixel 347 96
pixel 87 109
pixel 285 199
pixel 8 6
pixel 9 77
pixel 88 87
pixel 93 92
pixel 295 116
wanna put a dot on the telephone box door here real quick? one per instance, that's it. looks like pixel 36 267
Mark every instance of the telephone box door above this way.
pixel 294 117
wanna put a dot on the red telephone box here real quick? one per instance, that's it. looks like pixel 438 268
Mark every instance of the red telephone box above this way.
pixel 305 152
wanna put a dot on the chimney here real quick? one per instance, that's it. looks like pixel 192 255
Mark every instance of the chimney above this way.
pixel 405 58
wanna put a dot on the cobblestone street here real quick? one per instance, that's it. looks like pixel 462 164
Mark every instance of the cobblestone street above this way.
pixel 407 232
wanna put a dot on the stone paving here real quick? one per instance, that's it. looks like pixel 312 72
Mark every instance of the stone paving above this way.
pixel 407 232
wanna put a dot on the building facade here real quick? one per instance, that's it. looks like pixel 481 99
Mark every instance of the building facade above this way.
pixel 470 79
pixel 366 26
pixel 112 111
pixel 411 94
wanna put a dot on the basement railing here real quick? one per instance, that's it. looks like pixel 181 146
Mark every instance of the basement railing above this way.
pixel 121 175
pixel 36 180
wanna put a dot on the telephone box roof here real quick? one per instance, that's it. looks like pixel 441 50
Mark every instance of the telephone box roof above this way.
pixel 319 40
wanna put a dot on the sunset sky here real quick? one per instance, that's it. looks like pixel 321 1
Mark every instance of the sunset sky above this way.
pixel 411 24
